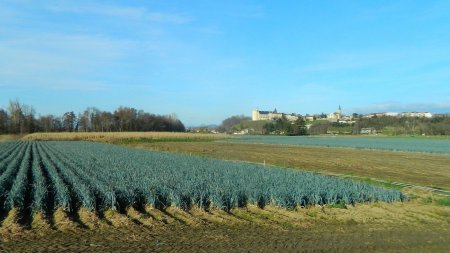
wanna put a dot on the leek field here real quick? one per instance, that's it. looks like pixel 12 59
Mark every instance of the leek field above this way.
pixel 407 144
pixel 38 176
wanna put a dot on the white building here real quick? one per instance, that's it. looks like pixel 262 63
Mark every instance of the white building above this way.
pixel 309 117
pixel 272 115
pixel 335 116
pixel 400 114
pixel 416 114
pixel 391 114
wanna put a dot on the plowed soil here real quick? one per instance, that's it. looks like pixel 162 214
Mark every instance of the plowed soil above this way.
pixel 250 238
pixel 415 226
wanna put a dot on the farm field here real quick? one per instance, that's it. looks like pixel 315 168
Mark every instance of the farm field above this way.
pixel 425 169
pixel 9 137
pixel 99 177
pixel 398 227
pixel 123 136
pixel 412 144
pixel 92 197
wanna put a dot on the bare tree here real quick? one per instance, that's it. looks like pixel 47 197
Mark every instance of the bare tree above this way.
pixel 3 121
pixel 69 121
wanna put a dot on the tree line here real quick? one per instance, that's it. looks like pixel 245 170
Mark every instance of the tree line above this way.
pixel 405 125
pixel 232 123
pixel 21 119
pixel 281 126
pixel 387 125
pixel 285 127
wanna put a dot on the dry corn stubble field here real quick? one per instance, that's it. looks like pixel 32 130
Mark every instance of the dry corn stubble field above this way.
pixel 9 137
pixel 121 136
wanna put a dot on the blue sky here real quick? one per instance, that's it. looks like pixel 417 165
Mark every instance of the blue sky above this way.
pixel 207 60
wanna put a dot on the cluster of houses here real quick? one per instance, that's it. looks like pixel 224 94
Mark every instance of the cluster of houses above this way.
pixel 336 116
pixel 400 114
pixel 273 115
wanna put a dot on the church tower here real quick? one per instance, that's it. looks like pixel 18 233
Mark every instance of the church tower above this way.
pixel 339 112
pixel 255 115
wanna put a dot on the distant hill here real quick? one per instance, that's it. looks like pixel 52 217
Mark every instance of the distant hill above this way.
pixel 210 126
pixel 256 127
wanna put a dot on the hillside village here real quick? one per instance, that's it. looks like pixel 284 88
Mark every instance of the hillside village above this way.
pixel 336 116
pixel 265 122
pixel 280 123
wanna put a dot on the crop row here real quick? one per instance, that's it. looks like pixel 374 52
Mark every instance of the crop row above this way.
pixel 49 175
pixel 378 143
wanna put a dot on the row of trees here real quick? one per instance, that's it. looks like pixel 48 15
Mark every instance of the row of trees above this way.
pixel 285 127
pixel 388 125
pixel 20 119
pixel 232 123
pixel 405 125
pixel 280 126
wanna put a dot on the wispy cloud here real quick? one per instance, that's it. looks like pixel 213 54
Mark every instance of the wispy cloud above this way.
pixel 55 61
pixel 63 84
pixel 130 13
pixel 393 106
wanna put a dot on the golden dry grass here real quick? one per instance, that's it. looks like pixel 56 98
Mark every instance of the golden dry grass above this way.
pixel 120 136
pixel 416 168
pixel 9 137
pixel 421 210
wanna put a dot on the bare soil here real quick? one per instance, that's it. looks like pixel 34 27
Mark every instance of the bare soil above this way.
pixel 415 226
pixel 249 238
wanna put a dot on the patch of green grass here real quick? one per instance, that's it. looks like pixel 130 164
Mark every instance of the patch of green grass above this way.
pixel 437 201
pixel 246 216
pixel 428 200
pixel 443 202
pixel 312 214
pixel 371 181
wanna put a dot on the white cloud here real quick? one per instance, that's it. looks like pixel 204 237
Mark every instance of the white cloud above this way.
pixel 393 106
